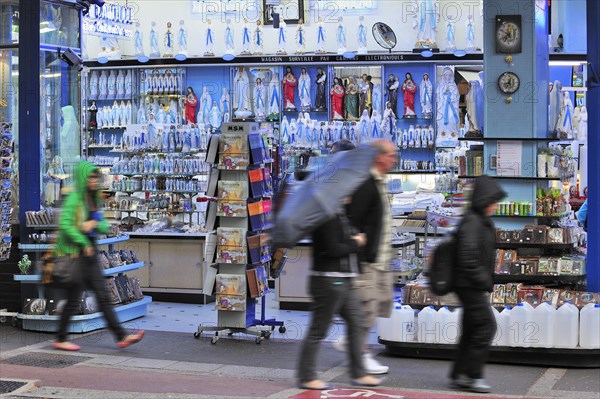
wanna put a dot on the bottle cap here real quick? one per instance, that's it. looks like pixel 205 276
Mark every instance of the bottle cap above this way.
pixel 520 304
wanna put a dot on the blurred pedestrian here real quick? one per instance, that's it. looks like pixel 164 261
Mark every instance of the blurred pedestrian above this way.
pixel 80 222
pixel 473 281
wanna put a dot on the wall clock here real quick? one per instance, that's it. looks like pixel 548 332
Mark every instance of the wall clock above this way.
pixel 509 83
pixel 508 34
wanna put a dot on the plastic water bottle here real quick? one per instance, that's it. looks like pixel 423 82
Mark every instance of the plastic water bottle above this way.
pixel 520 327
pixel 384 328
pixel 447 331
pixel 428 330
pixel 544 319
pixel 566 327
pixel 403 326
pixel 503 327
pixel 589 328
pixel 454 333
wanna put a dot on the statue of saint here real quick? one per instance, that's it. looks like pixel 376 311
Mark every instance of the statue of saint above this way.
pixel 320 37
pixel 274 96
pixel 138 40
pixel 341 36
pixel 470 34
pixel 191 102
pixel 300 38
pixel 209 40
pixel 225 105
pixel 351 100
pixel 260 94
pixel 392 85
pixel 321 80
pixel 241 90
pixel 448 120
pixel 337 99
pixel 281 40
pixel 229 47
pixel 450 37
pixel 426 17
pixel 304 90
pixel 168 42
pixel 245 38
pixel 182 39
pixel 365 90
pixel 409 88
pixel 258 38
pixel 362 36
pixel 154 51
pixel 289 86
pixel 426 97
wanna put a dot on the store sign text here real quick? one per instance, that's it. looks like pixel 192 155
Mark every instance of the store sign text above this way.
pixel 111 19
pixel 112 12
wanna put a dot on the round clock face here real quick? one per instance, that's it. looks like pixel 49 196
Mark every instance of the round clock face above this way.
pixel 508 36
pixel 509 83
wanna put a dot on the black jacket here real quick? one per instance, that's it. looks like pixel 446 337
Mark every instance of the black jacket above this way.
pixel 332 246
pixel 476 249
pixel 366 212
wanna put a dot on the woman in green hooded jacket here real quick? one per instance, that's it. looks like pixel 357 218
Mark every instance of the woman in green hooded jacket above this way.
pixel 80 222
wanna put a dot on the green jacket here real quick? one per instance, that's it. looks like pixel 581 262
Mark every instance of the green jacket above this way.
pixel 71 240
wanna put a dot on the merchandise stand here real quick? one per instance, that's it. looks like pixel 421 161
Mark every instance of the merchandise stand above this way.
pixel 238 213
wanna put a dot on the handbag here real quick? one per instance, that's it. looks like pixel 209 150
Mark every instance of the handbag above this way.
pixel 60 271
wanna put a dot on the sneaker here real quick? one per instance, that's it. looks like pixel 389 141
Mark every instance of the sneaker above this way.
pixel 131 339
pixel 461 382
pixel 479 386
pixel 372 366
pixel 341 344
pixel 65 346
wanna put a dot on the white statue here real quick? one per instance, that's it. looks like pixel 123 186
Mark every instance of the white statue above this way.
pixel 555 106
pixel 448 120
pixel 426 17
pixel 582 128
pixel 225 105
pixel 565 120
pixel 209 40
pixel 215 118
pixel 341 36
pixel 304 90
pixel 258 38
pixel 426 90
pixel 241 94
pixel 93 87
pixel 154 50
pixel 300 38
pixel 182 39
pixel 245 38
pixel 205 105
pixel 470 34
pixel 320 36
pixel 474 96
pixel 260 95
pixel 450 37
pixel 229 38
pixel 168 41
pixel 377 98
pixel 362 36
pixel 274 98
pixel 139 40
pixel 121 84
pixel 388 124
pixel 281 39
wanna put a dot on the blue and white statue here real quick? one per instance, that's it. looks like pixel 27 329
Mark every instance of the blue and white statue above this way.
pixel 300 38
pixel 260 95
pixel 245 38
pixel 281 38
pixel 154 50
pixel 304 90
pixel 209 40
pixel 426 18
pixel 341 36
pixel 320 36
pixel 139 41
pixel 215 118
pixel 182 39
pixel 168 42
pixel 450 37
pixel 448 120
pixel 426 90
pixel 377 98
pixel 229 42
pixel 470 34
pixel 274 98
pixel 258 38
pixel 225 105
pixel 362 35
pixel 205 105
pixel 474 96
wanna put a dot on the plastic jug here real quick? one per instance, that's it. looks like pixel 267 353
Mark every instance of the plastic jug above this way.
pixel 402 324
pixel 457 318
pixel 503 327
pixel 566 327
pixel 428 330
pixel 589 327
pixel 448 327
pixel 520 327
pixel 384 327
pixel 544 319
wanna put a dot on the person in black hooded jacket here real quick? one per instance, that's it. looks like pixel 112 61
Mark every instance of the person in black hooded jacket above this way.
pixel 472 282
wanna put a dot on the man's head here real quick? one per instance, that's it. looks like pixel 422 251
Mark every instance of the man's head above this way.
pixel 342 145
pixel 386 156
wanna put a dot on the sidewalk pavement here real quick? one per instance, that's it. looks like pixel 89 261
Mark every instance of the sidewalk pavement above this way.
pixel 175 365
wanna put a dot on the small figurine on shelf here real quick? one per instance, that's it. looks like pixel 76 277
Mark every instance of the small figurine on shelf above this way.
pixel 341 36
pixel 259 100
pixel 375 125
pixel 121 84
pixel 191 102
pixel 115 115
pixel 304 90
pixel 103 85
pixel 128 83
pixel 409 88
pixel 258 38
pixel 138 41
pixel 229 42
pixel 393 84
pixel 426 18
pixel 205 104
pixel 241 103
pixel 161 116
pixel 209 39
pixel 111 85
pixel 215 118
pixel 365 90
pixel 321 80
pixel 245 38
pixel 174 116
pixel 470 34
pixel 182 40
pixel 122 114
pixel 474 98
pixel 337 99
pixel 93 110
pixel 281 40
pixel 448 120
pixel 225 105
pixel 565 120
pixel 141 114
pixel 274 97
pixel 154 50
pixel 320 37
pixel 388 125
pixel 128 113
pixel 426 97
pixel 351 100
pixel 93 87
pixel 168 42
pixel 289 87
pixel 450 37
pixel 362 36
pixel 300 38
pixel 377 97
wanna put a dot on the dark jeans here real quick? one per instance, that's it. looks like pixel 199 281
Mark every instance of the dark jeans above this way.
pixel 332 296
pixel 478 329
pixel 91 279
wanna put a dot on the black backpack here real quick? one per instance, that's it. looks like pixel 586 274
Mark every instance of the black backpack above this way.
pixel 442 266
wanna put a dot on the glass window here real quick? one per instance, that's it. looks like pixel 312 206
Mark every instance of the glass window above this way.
pixel 9 22
pixel 59 25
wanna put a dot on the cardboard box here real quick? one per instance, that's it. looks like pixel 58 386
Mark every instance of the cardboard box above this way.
pixel 533 296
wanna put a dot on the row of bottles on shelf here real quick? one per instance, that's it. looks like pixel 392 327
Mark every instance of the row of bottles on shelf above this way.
pixel 117 116
pixel 154 164
pixel 419 137
pixel 159 184
pixel 521 326
pixel 180 138
pixel 110 85
pixel 158 82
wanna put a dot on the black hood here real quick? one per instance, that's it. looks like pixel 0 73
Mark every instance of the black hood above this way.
pixel 485 192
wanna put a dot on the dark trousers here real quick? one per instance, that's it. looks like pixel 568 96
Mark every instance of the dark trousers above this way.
pixel 332 296
pixel 90 278
pixel 478 329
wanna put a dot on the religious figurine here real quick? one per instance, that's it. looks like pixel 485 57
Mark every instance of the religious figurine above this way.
pixel 141 114
pixel 241 94
pixel 128 83
pixel 93 122
pixel 375 125
pixel 320 37
pixel 168 41
pixel 304 90
pixel 274 98
pixel 300 38
pixel 128 113
pixel 582 124
pixel 450 37
pixel 351 100
pixel 365 89
pixel 388 124
pixel 281 40
pixel 258 38
pixel 208 40
pixel 225 105
pixel 111 84
pixel 215 118
pixel 121 84
pixel 138 40
pixel 474 99
pixel 154 50
pixel 103 85
pixel 426 97
pixel 289 86
pixel 182 39
pixel 377 97
pixel 393 84
pixel 191 102
pixel 555 107
pixel 229 47
pixel 93 87
pixel 205 104
pixel 409 88
pixel 565 120
pixel 337 99
pixel 362 36
pixel 448 120
pixel 245 38
pixel 426 18
pixel 260 94
pixel 341 36
pixel 470 34
pixel 321 80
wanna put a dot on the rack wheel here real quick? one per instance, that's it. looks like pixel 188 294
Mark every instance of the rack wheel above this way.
pixel 214 340
pixel 272 328
pixel 267 335
pixel 196 335
pixel 259 340
pixel 282 329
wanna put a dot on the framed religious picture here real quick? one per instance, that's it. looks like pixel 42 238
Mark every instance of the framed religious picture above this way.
pixel 508 34
pixel 290 11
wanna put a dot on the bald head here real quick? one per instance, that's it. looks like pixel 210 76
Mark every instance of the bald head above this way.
pixel 386 156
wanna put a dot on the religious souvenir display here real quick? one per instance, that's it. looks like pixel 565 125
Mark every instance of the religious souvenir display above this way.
pixel 168 42
pixel 138 39
pixel 121 84
pixel 375 126
pixel 215 117
pixel 337 99
pixel 474 100
pixel 393 84
pixel 289 86
pixel 190 103
pixel 377 97
pixel 362 35
pixel 229 43
pixel 281 39
pixel 470 34
pixel 450 37
pixel 448 120
pixel 208 40
pixel 565 119
pixel 225 105
pixel 258 38
pixel 300 38
pixel 304 91
pixel 154 50
pixel 409 88
pixel 245 38
pixel 103 85
pixel 205 106
pixel 260 95
pixel 341 36
pixel 182 39
pixel 426 97
pixel 321 80
pixel 111 85
pixel 388 124
pixel 351 100
pixel 365 90
pixel 555 107
pixel 274 98
pixel 426 14
pixel 320 37
pixel 241 93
